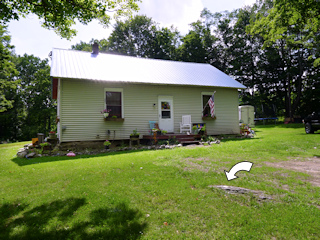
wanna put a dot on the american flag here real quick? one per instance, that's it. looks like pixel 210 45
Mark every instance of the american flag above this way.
pixel 211 104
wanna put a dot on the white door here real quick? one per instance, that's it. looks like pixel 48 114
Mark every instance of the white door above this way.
pixel 165 104
pixel 251 116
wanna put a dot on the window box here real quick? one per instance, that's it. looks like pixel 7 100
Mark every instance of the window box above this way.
pixel 209 118
pixel 114 119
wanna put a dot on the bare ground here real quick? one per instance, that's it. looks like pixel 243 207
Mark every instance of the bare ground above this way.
pixel 310 166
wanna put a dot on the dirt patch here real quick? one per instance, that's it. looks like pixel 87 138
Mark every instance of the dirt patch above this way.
pixel 240 190
pixel 310 166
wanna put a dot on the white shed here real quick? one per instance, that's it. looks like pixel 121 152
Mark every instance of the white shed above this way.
pixel 246 115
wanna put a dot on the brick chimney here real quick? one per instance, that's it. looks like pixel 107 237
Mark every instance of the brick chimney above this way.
pixel 95 48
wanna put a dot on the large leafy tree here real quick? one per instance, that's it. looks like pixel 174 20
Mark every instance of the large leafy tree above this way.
pixel 138 36
pixel 8 72
pixel 60 15
pixel 39 110
pixel 295 21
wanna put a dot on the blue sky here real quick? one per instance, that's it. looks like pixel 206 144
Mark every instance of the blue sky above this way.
pixel 29 37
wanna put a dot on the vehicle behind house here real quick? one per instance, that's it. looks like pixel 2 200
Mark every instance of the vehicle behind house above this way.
pixel 312 122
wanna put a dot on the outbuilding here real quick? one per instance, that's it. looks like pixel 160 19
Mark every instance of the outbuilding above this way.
pixel 136 91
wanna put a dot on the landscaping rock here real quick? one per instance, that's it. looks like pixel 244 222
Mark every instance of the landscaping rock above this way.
pixel 22 154
pixel 31 155
pixel 29 145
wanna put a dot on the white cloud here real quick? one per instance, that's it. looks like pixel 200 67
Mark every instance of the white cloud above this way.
pixel 172 12
pixel 29 37
pixel 249 2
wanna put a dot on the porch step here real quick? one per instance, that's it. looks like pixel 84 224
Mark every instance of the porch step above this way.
pixel 179 137
pixel 185 139
pixel 189 142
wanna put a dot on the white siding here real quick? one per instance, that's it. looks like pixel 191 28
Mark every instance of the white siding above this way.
pixel 82 101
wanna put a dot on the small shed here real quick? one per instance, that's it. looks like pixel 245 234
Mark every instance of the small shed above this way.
pixel 246 115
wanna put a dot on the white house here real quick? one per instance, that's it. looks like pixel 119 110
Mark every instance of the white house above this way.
pixel 135 90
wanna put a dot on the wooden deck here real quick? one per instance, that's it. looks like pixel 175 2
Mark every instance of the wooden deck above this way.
pixel 180 137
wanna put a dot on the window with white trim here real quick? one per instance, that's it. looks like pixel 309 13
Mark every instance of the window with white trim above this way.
pixel 114 102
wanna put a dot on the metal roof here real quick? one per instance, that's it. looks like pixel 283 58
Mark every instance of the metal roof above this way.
pixel 110 67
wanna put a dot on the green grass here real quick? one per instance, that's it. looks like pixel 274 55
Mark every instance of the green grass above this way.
pixel 130 195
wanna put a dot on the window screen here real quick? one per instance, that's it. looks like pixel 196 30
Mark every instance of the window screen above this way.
pixel 114 104
pixel 206 110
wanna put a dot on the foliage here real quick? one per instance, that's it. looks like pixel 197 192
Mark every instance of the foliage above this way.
pixel 295 21
pixel 164 131
pixel 25 92
pixel 135 133
pixel 45 144
pixel 60 15
pixel 139 36
pixel 8 72
pixel 106 143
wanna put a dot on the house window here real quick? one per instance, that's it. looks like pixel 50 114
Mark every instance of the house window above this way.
pixel 205 96
pixel 206 107
pixel 114 102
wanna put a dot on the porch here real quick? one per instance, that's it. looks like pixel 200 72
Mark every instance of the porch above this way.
pixel 182 138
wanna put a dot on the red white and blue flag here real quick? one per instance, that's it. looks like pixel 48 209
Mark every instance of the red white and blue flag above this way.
pixel 211 104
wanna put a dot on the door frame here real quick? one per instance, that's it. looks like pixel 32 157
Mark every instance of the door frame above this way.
pixel 170 122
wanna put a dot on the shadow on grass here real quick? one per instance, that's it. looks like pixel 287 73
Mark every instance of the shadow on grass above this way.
pixel 54 221
pixel 240 139
pixel 289 125
pixel 30 161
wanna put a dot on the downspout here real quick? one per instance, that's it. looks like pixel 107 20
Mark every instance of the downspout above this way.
pixel 59 110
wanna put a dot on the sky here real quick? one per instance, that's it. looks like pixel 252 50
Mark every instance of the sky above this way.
pixel 29 37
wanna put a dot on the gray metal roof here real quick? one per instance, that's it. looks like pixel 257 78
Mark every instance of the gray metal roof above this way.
pixel 110 67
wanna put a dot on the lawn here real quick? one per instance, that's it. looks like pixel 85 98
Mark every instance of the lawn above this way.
pixel 164 194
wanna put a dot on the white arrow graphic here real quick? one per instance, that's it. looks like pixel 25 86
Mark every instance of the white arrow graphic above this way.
pixel 241 166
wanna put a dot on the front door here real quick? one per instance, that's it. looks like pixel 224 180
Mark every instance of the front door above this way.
pixel 165 104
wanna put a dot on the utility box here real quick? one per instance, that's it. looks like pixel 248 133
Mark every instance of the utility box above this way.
pixel 246 115
pixel 41 138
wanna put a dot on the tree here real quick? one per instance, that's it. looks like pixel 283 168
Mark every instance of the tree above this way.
pixel 8 71
pixel 37 106
pixel 295 21
pixel 140 37
pixel 60 15
pixel 192 49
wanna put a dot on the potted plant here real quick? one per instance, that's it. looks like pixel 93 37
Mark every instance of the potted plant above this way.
pixel 52 135
pixel 134 134
pixel 164 132
pixel 195 129
pixel 202 130
pixel 106 112
pixel 156 130
pixel 106 144
pixel 45 146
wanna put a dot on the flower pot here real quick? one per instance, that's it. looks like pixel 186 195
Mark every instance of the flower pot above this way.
pixel 134 137
pixel 106 115
pixel 106 147
pixel 52 136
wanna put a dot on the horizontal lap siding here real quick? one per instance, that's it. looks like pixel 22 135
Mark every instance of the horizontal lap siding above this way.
pixel 82 101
